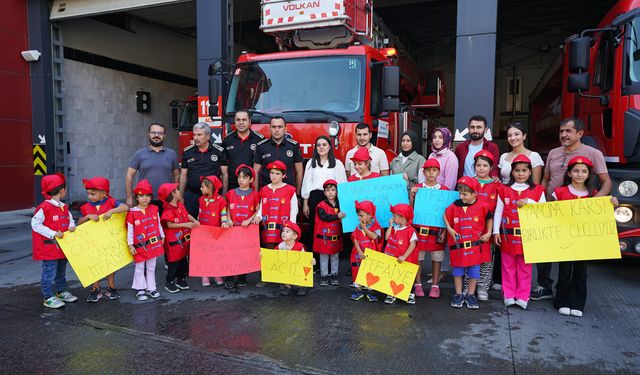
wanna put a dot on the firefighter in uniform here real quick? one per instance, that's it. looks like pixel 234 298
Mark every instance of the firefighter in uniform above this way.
pixel 240 145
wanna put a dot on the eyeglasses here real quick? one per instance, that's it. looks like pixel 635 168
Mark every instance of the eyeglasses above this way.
pixel 156 133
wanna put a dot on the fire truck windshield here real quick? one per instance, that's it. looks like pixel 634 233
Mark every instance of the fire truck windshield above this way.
pixel 634 51
pixel 305 87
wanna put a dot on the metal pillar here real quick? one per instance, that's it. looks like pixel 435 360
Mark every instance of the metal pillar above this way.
pixel 475 61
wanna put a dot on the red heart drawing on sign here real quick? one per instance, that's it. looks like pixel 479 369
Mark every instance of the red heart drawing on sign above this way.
pixel 306 270
pixel 396 288
pixel 372 279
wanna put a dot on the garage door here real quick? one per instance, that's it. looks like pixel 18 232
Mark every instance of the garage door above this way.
pixel 65 9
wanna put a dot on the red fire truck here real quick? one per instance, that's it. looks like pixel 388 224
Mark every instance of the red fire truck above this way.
pixel 597 79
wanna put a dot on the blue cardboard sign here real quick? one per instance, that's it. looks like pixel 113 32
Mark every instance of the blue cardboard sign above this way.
pixel 382 191
pixel 430 204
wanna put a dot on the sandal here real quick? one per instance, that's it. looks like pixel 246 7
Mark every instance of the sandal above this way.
pixel 141 295
pixel 153 293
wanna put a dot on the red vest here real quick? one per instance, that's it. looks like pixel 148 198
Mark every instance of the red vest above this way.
pixel 428 236
pixel 88 208
pixel 353 177
pixel 510 225
pixel 241 208
pixel 146 233
pixel 57 219
pixel 399 242
pixel 564 194
pixel 364 242
pixel 488 193
pixel 276 208
pixel 210 210
pixel 176 244
pixel 470 225
pixel 327 235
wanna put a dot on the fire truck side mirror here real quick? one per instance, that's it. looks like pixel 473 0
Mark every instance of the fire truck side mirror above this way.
pixel 214 92
pixel 174 117
pixel 579 54
pixel 390 88
pixel 578 82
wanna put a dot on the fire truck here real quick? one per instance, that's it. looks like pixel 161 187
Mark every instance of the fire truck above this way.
pixel 335 67
pixel 597 79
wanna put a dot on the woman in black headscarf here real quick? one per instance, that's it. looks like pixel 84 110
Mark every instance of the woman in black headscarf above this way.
pixel 409 162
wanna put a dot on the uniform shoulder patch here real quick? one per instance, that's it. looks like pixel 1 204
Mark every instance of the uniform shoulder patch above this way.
pixel 291 140
pixel 262 141
pixel 217 147
pixel 188 147
pixel 258 134
pixel 233 132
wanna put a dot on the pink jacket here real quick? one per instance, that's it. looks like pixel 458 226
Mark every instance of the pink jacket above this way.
pixel 448 167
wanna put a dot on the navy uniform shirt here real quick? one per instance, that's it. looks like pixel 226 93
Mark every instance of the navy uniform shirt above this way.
pixel 239 151
pixel 288 152
pixel 199 164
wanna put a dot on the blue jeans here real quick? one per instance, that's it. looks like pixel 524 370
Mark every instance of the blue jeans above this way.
pixel 53 270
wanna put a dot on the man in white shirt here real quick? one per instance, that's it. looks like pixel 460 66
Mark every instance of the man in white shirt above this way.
pixel 379 162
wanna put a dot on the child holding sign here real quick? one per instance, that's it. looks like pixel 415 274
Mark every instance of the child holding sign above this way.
pixel 51 219
pixel 401 241
pixel 367 235
pixel 429 239
pixel 212 210
pixel 362 163
pixel 290 234
pixel 177 224
pixel 100 203
pixel 468 222
pixel 516 274
pixel 145 238
pixel 279 204
pixel 571 290
pixel 243 203
pixel 327 234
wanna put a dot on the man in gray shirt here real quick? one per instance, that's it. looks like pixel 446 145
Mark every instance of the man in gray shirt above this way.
pixel 155 162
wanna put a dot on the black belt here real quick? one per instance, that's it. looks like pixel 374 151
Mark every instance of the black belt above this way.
pixel 50 242
pixel 514 231
pixel 430 232
pixel 465 245
pixel 150 241
pixel 272 226
pixel 186 238
pixel 355 264
pixel 330 238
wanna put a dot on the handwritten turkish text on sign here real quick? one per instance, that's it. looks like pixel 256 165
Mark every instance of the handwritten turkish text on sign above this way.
pixel 383 273
pixel 382 191
pixel 578 229
pixel 430 205
pixel 224 251
pixel 287 267
pixel 97 248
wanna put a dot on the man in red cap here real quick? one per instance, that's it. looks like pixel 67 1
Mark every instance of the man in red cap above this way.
pixel 401 241
pixel 51 219
pixel 100 203
pixel 327 233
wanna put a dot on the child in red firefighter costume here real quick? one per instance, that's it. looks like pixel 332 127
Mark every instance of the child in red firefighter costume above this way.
pixel 362 164
pixel 430 239
pixel 50 220
pixel 468 221
pixel 290 235
pixel 367 235
pixel 177 225
pixel 516 274
pixel 488 193
pixel 145 238
pixel 212 211
pixel 242 206
pixel 278 205
pixel 327 233
pixel 571 290
pixel 401 241
pixel 100 203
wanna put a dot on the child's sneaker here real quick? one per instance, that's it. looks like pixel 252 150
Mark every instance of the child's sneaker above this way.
pixel 483 295
pixel 522 304
pixel 576 313
pixel 242 281
pixel 206 281
pixel 434 292
pixel 390 300
pixel 171 287
pixel 412 299
pixel 419 290
pixel 141 295
pixel 540 293
pixel 153 293
pixel 509 302
pixel 324 280
pixel 457 300
pixel 357 295
pixel 497 287
pixel 335 280
pixel 182 284
pixel 471 301
pixel 372 297
pixel 66 296
pixel 219 281
pixel 564 311
pixel 229 284
pixel 112 293
pixel 53 302
pixel 284 291
pixel 94 295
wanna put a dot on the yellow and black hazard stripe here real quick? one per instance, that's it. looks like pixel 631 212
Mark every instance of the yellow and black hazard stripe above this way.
pixel 39 160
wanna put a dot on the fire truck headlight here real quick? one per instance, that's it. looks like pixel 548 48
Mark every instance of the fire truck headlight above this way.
pixel 334 128
pixel 628 188
pixel 623 214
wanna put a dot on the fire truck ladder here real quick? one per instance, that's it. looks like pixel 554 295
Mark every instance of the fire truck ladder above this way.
pixel 59 134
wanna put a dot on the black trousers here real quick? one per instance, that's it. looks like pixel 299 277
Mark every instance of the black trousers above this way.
pixel 177 270
pixel 571 290
pixel 497 265
pixel 315 197
pixel 544 275
pixel 191 203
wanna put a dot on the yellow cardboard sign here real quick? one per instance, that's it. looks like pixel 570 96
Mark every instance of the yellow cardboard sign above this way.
pixel 383 273
pixel 97 248
pixel 287 267
pixel 577 229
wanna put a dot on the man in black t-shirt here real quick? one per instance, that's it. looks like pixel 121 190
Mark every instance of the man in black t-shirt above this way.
pixel 240 145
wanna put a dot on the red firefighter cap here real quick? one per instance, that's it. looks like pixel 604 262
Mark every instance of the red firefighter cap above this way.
pixel 522 158
pixel 277 165
pixel 50 182
pixel 143 188
pixel 165 190
pixel 486 154
pixel 579 160
pixel 362 154
pixel 431 163
pixel 469 182
pixel 294 227
pixel 98 183
pixel 366 206
pixel 330 182
pixel 253 173
pixel 217 184
pixel 403 210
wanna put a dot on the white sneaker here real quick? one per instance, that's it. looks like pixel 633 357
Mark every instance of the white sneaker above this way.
pixel 497 287
pixel 53 302
pixel 564 311
pixel 522 304
pixel 66 296
pixel 483 295
pixel 577 313
pixel 509 302
pixel 206 281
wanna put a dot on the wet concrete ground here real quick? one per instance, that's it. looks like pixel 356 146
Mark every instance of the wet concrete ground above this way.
pixel 254 330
